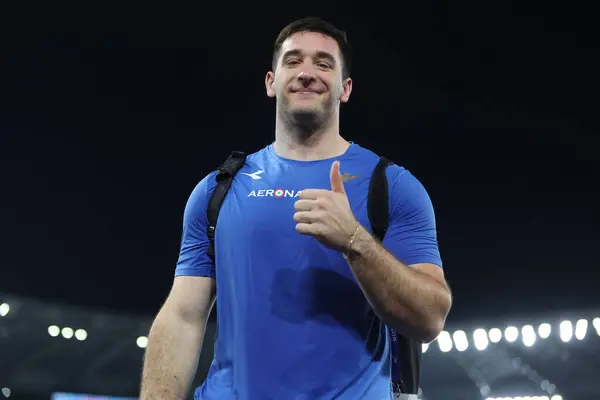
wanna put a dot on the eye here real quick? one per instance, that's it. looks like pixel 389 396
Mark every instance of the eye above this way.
pixel 292 61
pixel 324 65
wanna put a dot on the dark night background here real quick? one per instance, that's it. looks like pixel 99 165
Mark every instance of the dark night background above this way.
pixel 110 115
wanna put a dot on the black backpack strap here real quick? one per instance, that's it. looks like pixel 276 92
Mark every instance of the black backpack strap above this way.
pixel 225 175
pixel 410 352
pixel 406 353
pixel 378 204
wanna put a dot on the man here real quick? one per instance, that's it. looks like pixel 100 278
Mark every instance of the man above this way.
pixel 302 284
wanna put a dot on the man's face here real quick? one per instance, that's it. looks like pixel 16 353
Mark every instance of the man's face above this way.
pixel 308 76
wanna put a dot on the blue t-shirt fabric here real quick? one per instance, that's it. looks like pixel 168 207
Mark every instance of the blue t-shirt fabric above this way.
pixel 293 323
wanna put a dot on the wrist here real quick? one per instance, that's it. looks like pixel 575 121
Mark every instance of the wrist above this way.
pixel 358 244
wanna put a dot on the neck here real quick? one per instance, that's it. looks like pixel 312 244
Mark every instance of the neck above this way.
pixel 297 142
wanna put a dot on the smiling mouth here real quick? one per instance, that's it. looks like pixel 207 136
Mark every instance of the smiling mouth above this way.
pixel 305 91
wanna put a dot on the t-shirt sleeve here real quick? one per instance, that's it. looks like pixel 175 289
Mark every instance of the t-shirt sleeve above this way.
pixel 193 254
pixel 411 236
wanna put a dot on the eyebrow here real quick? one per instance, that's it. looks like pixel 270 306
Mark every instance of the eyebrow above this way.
pixel 319 54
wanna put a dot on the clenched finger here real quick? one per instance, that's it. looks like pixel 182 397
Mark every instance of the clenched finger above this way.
pixel 305 205
pixel 308 229
pixel 306 217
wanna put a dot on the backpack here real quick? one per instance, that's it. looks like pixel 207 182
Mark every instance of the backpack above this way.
pixel 405 374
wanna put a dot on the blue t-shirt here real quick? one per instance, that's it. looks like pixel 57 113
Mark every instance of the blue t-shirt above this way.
pixel 292 321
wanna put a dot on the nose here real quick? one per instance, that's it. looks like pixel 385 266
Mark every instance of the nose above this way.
pixel 306 77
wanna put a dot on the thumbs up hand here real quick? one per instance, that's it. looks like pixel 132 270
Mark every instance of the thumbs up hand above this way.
pixel 326 214
pixel 337 186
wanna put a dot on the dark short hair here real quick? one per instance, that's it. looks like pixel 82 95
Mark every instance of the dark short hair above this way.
pixel 317 25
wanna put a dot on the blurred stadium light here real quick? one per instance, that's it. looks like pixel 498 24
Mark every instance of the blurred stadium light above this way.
pixel 142 342
pixel 4 309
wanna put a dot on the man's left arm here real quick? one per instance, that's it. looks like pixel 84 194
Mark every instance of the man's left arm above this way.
pixel 414 299
pixel 411 295
pixel 402 278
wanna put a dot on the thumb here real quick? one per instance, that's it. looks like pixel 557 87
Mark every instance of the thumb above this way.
pixel 336 178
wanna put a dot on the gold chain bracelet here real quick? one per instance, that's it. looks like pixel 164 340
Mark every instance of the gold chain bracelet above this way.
pixel 350 242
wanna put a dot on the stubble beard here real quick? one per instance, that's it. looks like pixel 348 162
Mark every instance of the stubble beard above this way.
pixel 306 122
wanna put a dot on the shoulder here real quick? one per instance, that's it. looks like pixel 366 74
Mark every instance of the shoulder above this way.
pixel 362 154
pixel 407 194
pixel 402 180
pixel 259 155
pixel 398 177
pixel 405 190
pixel 198 198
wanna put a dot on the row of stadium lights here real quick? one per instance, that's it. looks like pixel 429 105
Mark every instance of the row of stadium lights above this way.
pixel 482 338
pixel 81 335
pixel 446 342
pixel 67 332
pixel 53 330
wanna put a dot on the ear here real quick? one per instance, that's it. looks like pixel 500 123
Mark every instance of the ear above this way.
pixel 269 82
pixel 346 90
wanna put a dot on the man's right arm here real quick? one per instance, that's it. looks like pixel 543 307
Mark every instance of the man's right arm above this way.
pixel 176 336
pixel 175 339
